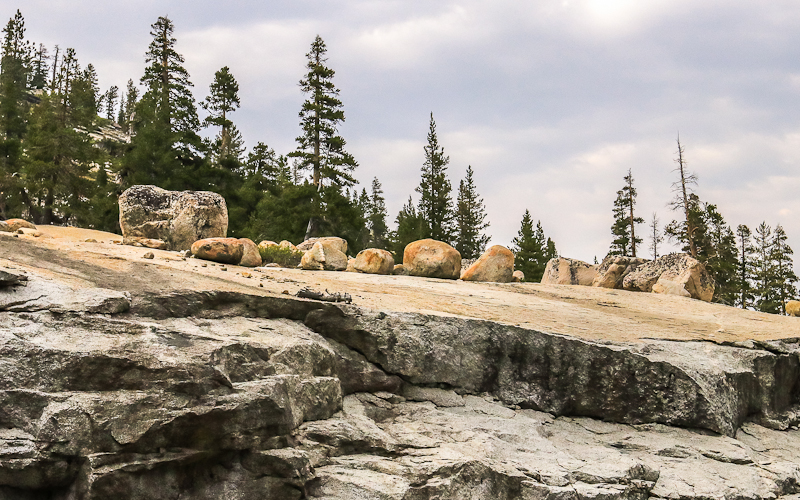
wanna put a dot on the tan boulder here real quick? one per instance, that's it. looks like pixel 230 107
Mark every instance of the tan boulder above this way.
pixel 4 227
pixel 15 224
pixel 432 259
pixel 564 271
pixel 224 250
pixel 374 261
pixel 518 276
pixel 289 245
pixel 793 308
pixel 673 274
pixel 612 271
pixel 329 242
pixel 250 255
pixel 322 256
pixel 268 244
pixel 138 241
pixel 351 265
pixel 495 265
pixel 400 270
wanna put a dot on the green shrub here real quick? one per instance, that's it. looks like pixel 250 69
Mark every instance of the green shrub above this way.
pixel 283 256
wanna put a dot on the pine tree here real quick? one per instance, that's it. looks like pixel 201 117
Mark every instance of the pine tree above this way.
pixel 376 219
pixel 320 148
pixel 435 207
pixel 624 227
pixel 531 249
pixel 763 277
pixel 717 250
pixel 784 278
pixel 223 99
pixel 470 219
pixel 262 161
pixel 683 202
pixel 128 107
pixel 410 227
pixel 656 238
pixel 39 68
pixel 110 102
pixel 165 148
pixel 745 271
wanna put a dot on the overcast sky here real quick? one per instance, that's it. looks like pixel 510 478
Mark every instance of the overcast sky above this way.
pixel 551 102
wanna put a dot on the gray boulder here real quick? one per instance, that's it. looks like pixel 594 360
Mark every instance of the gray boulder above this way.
pixel 675 274
pixel 612 271
pixel 179 218
pixel 564 271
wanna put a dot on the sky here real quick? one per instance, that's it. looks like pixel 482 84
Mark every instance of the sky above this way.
pixel 551 102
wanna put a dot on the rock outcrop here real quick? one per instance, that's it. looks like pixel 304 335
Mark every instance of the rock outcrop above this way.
pixel 432 259
pixel 495 265
pixel 374 261
pixel 564 271
pixel 177 218
pixel 673 274
pixel 612 271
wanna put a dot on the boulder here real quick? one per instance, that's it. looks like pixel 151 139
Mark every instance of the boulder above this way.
pixel 793 308
pixel 673 274
pixel 224 250
pixel 518 276
pixel 324 256
pixel 400 270
pixel 329 242
pixel 614 268
pixel 250 255
pixel 16 224
pixel 145 242
pixel 351 265
pixel 4 227
pixel 432 259
pixel 177 217
pixel 289 245
pixel 564 271
pixel 374 261
pixel 267 244
pixel 495 265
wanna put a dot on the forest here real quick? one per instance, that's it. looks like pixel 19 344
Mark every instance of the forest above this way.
pixel 68 149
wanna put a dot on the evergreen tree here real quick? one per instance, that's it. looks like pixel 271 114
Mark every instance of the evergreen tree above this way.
pixel 532 250
pixel 656 238
pixel 410 227
pixel 624 227
pixel 128 107
pixel 763 277
pixel 320 148
pixel 376 219
pixel 165 149
pixel 435 207
pixel 470 219
pixel 784 278
pixel 684 202
pixel 223 99
pixel 39 69
pixel 110 102
pixel 717 250
pixel 262 161
pixel 745 271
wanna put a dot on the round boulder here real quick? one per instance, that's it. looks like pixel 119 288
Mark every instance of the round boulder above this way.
pixel 224 250
pixel 16 224
pixel 432 259
pixel 374 261
pixel 518 276
pixel 250 254
pixel 495 265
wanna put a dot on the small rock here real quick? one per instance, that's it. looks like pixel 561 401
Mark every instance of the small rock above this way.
pixel 148 255
pixel 518 276
pixel 246 275
pixel 223 268
pixel 90 240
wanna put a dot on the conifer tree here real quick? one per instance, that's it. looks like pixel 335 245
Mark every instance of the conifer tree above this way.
pixel 39 68
pixel 624 227
pixel 717 250
pixel 262 161
pixel 532 250
pixel 165 148
pixel 784 278
pixel 223 99
pixel 763 277
pixel 110 102
pixel 128 106
pixel 320 148
pixel 470 219
pixel 656 238
pixel 435 207
pixel 410 227
pixel 745 271
pixel 376 219
pixel 684 203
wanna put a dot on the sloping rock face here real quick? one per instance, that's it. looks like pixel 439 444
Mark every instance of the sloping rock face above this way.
pixel 177 218
pixel 564 271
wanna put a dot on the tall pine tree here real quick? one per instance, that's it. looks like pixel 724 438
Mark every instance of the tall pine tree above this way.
pixel 223 99
pixel 686 203
pixel 764 276
pixel 532 249
pixel 746 271
pixel 410 227
pixel 470 219
pixel 376 217
pixel 624 227
pixel 783 277
pixel 435 207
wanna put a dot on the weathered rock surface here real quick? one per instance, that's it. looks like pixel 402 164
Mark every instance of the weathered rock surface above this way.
pixel 374 261
pixel 495 265
pixel 674 274
pixel 564 271
pixel 325 255
pixel 613 270
pixel 432 259
pixel 178 218
pixel 224 250
pixel 250 255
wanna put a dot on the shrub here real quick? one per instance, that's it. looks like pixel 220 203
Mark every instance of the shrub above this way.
pixel 283 256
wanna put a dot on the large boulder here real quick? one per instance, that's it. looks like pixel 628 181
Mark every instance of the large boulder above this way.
pixel 334 242
pixel 16 224
pixel 673 274
pixel 4 227
pixel 324 255
pixel 250 254
pixel 564 271
pixel 793 308
pixel 224 250
pixel 432 259
pixel 496 265
pixel 613 270
pixel 374 261
pixel 177 217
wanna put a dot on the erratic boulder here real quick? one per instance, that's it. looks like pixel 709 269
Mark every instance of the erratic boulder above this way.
pixel 613 270
pixel 224 250
pixel 374 261
pixel 432 259
pixel 673 274
pixel 250 254
pixel 177 217
pixel 324 255
pixel 333 242
pixel 495 265
pixel 564 271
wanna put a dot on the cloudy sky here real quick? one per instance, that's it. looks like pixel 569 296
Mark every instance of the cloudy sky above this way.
pixel 551 102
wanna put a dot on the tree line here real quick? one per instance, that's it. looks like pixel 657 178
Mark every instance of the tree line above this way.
pixel 752 270
pixel 59 164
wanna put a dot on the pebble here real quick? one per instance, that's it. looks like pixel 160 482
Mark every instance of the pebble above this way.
pixel 148 255
pixel 223 268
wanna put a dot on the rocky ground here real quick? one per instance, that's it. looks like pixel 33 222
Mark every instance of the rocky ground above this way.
pixel 174 378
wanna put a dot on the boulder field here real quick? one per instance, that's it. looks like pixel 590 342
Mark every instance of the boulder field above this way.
pixel 175 378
